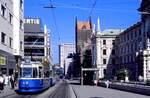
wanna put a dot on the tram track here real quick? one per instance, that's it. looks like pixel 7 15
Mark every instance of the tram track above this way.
pixel 62 91
pixel 15 95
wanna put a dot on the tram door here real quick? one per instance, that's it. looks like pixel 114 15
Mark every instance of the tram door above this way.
pixel 40 72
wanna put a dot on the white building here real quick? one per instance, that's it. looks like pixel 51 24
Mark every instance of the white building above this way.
pixel 37 41
pixel 103 49
pixel 18 29
pixel 11 34
pixel 65 50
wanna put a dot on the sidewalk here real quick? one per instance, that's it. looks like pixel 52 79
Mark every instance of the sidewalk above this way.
pixel 7 92
pixel 100 92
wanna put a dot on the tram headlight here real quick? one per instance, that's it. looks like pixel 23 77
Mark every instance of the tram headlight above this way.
pixel 23 83
pixel 27 83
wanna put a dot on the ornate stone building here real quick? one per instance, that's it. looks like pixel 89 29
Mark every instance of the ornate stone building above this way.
pixel 128 44
pixel 104 50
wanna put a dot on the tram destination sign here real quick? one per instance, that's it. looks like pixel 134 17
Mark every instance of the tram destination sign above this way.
pixel 90 69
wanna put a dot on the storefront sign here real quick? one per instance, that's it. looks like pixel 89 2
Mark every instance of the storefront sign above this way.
pixel 2 60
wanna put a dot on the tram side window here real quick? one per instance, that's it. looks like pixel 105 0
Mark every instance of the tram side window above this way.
pixel 34 73
pixel 40 72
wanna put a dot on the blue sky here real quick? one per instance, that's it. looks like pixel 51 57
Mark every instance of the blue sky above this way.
pixel 118 14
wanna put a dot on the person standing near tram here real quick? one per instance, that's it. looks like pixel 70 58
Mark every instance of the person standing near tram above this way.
pixel 2 80
pixel 12 81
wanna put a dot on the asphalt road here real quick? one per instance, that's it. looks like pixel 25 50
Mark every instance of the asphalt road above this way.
pixel 65 90
pixel 60 90
pixel 19 96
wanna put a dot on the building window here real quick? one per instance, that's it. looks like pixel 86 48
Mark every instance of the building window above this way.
pixel 21 24
pixel 104 61
pixel 104 51
pixel 113 51
pixel 10 18
pixel 21 4
pixel 131 35
pixel 3 36
pixel 3 10
pixel 127 37
pixel 21 45
pixel 113 42
pixel 104 72
pixel 104 42
pixel 111 32
pixel 10 42
pixel 113 61
pixel 135 34
pixel 135 46
pixel 84 27
pixel 139 32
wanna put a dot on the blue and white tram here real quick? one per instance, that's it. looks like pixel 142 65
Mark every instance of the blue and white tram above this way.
pixel 32 78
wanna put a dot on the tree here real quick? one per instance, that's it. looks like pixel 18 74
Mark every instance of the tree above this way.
pixel 45 62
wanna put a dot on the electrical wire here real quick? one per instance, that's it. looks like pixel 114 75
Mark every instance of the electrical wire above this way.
pixel 94 4
pixel 97 10
pixel 11 11
pixel 55 23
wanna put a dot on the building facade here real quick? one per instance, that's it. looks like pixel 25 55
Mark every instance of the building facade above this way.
pixel 83 32
pixel 11 34
pixel 36 41
pixel 18 30
pixel 133 46
pixel 117 49
pixel 129 43
pixel 66 50
pixel 144 54
pixel 104 50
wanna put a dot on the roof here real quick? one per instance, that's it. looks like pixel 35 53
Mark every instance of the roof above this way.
pixel 84 25
pixel 134 26
pixel 112 31
pixel 32 25
pixel 144 4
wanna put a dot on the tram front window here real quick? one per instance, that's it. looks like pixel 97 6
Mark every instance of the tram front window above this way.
pixel 26 73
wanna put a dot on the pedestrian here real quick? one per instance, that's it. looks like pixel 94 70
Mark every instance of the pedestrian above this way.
pixel 6 80
pixel 12 81
pixel 2 80
pixel 9 83
pixel 107 83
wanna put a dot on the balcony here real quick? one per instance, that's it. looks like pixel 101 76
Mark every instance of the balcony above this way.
pixel 31 43
pixel 34 54
pixel 34 34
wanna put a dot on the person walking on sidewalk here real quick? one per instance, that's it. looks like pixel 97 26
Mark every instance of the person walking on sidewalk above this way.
pixel 12 81
pixel 107 83
pixel 2 80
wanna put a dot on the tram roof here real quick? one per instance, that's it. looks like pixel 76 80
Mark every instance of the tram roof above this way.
pixel 31 64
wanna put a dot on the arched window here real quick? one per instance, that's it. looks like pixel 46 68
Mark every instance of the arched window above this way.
pixel 84 27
